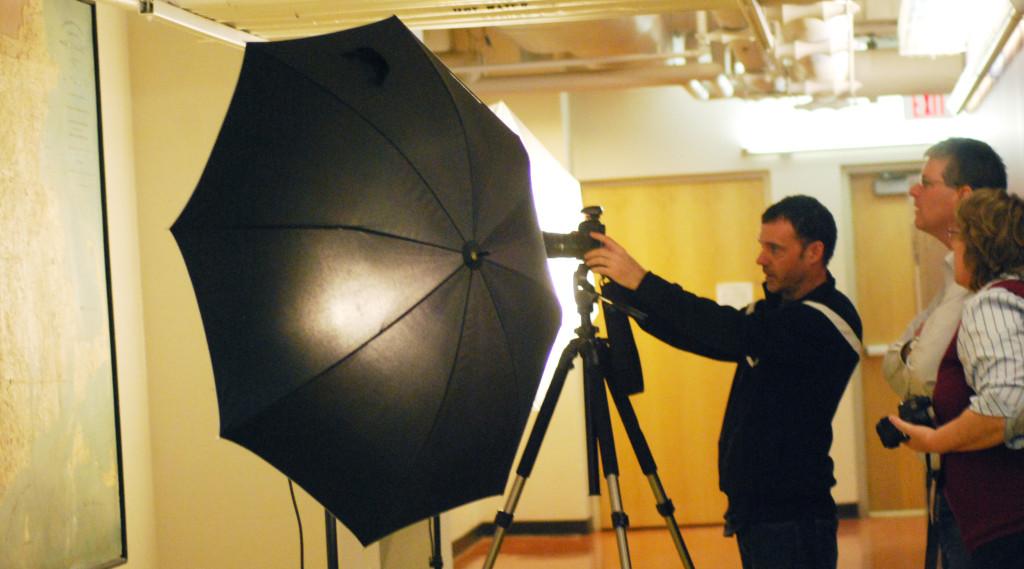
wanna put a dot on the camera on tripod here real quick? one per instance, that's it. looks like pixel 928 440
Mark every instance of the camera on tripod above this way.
pixel 577 243
pixel 620 361
pixel 916 410
pixel 611 368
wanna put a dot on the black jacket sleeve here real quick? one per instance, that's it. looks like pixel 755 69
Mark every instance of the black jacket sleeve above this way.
pixel 796 335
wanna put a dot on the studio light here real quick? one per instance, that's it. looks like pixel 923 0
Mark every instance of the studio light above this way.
pixel 371 277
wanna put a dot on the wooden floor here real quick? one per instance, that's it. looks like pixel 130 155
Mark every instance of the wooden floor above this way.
pixel 870 543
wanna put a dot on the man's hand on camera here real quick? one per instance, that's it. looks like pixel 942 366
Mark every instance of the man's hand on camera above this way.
pixel 612 261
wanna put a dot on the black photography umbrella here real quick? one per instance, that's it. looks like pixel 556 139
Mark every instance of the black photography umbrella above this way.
pixel 371 277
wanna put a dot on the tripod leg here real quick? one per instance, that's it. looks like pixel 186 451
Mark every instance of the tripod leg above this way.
pixel 602 425
pixel 620 521
pixel 503 519
pixel 643 454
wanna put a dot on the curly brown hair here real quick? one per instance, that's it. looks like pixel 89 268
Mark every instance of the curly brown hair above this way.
pixel 991 224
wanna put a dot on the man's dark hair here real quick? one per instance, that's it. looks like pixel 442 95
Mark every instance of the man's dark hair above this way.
pixel 971 163
pixel 811 221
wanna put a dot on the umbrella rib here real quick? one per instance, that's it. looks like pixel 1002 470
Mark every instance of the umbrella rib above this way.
pixel 504 330
pixel 397 319
pixel 333 227
pixel 465 139
pixel 370 123
pixel 451 371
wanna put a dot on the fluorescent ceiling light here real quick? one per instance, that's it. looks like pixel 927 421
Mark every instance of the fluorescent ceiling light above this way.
pixel 998 40
pixel 196 23
pixel 985 31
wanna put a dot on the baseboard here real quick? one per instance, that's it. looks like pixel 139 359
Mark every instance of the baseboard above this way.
pixel 561 527
pixel 576 527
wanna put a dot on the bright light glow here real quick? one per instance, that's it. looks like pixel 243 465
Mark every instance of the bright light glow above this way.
pixel 725 85
pixel 935 27
pixel 698 90
pixel 558 201
pixel 774 126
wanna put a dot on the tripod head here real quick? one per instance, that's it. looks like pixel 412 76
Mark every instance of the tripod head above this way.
pixel 617 355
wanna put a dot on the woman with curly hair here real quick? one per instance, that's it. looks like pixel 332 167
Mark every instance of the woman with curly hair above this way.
pixel 980 387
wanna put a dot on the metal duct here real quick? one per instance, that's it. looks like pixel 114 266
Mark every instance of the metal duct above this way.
pixel 884 72
pixel 596 80
pixel 638 34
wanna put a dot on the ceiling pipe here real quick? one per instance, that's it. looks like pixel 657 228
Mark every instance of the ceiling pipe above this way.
pixel 596 80
pixel 594 38
pixel 884 72
pixel 758 23
pixel 560 64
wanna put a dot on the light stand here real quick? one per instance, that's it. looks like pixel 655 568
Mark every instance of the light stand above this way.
pixel 599 432
pixel 332 539
pixel 436 561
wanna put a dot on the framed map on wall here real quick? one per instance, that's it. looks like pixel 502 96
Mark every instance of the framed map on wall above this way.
pixel 61 488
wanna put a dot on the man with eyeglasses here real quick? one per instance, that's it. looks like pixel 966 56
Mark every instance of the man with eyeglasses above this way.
pixel 953 169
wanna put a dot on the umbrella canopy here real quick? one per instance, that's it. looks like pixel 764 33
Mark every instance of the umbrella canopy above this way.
pixel 371 277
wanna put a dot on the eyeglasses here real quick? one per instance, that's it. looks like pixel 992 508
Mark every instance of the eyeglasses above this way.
pixel 953 232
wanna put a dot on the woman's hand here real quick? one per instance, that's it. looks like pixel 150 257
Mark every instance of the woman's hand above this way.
pixel 921 437
pixel 970 431
pixel 612 261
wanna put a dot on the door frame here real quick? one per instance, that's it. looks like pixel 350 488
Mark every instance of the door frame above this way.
pixel 861 436
pixel 763 175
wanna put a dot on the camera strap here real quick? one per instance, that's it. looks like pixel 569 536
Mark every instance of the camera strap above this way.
pixel 841 325
pixel 932 489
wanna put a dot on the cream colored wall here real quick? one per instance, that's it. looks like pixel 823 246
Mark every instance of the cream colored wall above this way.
pixel 217 505
pixel 126 286
pixel 664 132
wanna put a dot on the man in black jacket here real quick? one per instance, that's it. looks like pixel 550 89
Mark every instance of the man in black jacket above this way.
pixel 795 352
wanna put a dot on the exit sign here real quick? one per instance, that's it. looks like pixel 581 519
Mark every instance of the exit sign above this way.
pixel 925 106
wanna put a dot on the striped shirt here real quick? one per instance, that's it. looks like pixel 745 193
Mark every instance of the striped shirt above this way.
pixel 991 348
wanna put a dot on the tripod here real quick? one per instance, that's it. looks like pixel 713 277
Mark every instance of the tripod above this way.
pixel 599 433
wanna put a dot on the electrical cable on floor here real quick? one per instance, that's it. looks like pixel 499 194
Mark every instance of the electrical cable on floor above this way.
pixel 298 519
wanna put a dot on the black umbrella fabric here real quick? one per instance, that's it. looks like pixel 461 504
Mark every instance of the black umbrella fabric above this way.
pixel 371 278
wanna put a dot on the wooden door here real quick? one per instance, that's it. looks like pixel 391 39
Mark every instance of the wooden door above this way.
pixel 697 234
pixel 890 291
